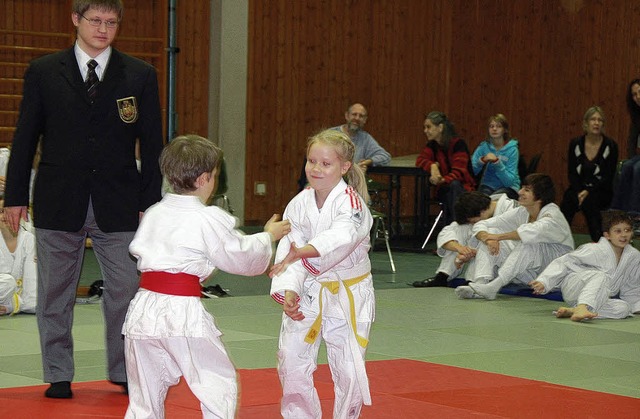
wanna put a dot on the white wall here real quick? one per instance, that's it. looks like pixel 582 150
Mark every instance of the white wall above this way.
pixel 228 91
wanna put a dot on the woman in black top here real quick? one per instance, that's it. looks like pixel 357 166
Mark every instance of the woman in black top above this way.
pixel 592 160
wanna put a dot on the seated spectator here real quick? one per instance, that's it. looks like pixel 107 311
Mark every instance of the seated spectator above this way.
pixel 592 161
pixel 4 161
pixel 368 151
pixel 17 269
pixel 446 158
pixel 593 275
pixel 5 153
pixel 456 245
pixel 521 242
pixel 500 154
pixel 626 196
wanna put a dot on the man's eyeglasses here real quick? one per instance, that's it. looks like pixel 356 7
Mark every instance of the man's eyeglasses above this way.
pixel 111 24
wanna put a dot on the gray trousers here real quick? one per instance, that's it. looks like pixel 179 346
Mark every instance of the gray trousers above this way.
pixel 60 255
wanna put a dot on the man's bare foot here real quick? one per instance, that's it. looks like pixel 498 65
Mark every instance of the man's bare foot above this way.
pixel 563 312
pixel 581 312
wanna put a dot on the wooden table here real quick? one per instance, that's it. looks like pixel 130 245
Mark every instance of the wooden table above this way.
pixel 406 166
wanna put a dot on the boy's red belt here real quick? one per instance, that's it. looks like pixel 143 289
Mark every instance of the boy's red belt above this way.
pixel 169 283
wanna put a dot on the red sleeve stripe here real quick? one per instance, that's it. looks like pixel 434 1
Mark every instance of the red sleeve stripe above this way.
pixel 309 267
pixel 356 203
pixel 279 298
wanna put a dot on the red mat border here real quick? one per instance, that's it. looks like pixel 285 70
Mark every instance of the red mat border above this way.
pixel 400 388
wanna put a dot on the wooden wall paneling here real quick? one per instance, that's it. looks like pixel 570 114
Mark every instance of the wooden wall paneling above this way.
pixel 26 32
pixel 342 63
pixel 192 67
pixel 295 138
pixel 254 50
pixel 31 28
pixel 542 64
pixel 258 113
pixel 283 106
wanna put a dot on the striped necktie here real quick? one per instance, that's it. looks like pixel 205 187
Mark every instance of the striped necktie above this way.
pixel 92 80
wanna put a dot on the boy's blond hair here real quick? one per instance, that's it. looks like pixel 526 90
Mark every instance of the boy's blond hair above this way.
pixel 346 150
pixel 185 158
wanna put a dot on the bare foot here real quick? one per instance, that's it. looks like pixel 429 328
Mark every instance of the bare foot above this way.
pixel 581 312
pixel 563 312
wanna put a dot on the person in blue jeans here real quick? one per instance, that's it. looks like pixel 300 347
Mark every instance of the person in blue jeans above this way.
pixel 627 194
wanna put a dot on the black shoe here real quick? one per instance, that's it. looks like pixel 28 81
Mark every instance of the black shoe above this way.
pixel 214 291
pixel 123 384
pixel 59 390
pixel 436 281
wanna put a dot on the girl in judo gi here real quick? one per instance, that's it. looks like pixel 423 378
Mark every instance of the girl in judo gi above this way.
pixel 592 275
pixel 180 241
pixel 322 276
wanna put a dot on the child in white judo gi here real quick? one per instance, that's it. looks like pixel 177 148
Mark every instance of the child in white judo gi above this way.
pixel 593 274
pixel 455 244
pixel 18 272
pixel 322 276
pixel 180 241
pixel 521 242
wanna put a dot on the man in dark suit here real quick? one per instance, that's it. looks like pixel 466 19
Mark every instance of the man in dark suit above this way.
pixel 87 183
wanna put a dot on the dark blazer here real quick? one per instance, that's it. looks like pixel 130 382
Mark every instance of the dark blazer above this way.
pixel 88 150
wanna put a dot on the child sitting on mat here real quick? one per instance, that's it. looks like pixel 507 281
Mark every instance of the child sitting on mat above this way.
pixel 519 243
pixel 322 276
pixel 18 276
pixel 592 275
pixel 180 241
pixel 456 244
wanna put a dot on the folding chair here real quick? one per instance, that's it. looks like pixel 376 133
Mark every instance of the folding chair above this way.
pixel 379 232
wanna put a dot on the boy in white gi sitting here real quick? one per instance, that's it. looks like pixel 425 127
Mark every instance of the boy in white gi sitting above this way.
pixel 521 242
pixel 18 277
pixel 593 274
pixel 456 244
pixel 180 241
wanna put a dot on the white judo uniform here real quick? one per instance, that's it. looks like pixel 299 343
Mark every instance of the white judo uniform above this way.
pixel 18 274
pixel 169 336
pixel 336 293
pixel 541 241
pixel 4 162
pixel 463 234
pixel 591 275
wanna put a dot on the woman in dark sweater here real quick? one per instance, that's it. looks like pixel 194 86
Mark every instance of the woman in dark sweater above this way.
pixel 592 160
pixel 627 196
pixel 446 157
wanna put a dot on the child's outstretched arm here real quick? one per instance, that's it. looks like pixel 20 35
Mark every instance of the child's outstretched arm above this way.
pixel 291 306
pixel 295 254
pixel 277 229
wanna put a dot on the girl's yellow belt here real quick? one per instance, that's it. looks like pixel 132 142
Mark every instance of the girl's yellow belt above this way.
pixel 333 287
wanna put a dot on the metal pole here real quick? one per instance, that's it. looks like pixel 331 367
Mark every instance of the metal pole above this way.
pixel 172 52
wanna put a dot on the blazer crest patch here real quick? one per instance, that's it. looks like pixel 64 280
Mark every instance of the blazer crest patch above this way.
pixel 128 109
